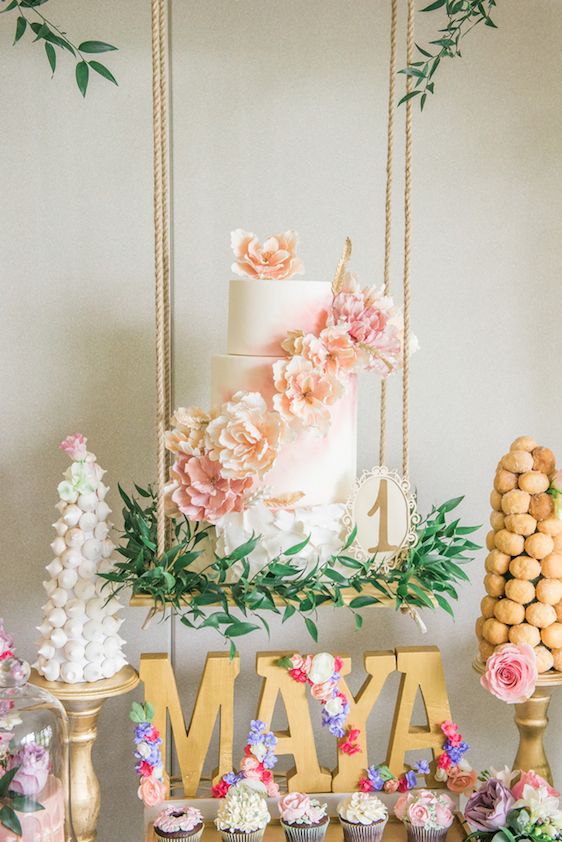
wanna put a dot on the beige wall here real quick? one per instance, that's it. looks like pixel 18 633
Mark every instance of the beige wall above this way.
pixel 278 121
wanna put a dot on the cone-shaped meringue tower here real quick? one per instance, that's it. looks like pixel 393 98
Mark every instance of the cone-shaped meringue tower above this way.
pixel 80 639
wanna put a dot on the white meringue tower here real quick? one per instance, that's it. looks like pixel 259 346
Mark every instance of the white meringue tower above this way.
pixel 80 639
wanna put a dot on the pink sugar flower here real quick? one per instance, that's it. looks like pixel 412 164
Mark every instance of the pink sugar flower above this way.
pixel 75 446
pixel 298 675
pixel 275 260
pixel 323 691
pixel 511 673
pixel 365 785
pixel 304 393
pixel 301 662
pixel 341 353
pixel 449 728
pixel 204 493
pixel 151 791
pixel 444 761
pixel 391 785
pixel 338 664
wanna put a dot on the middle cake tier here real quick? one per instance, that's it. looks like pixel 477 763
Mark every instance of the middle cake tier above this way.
pixel 322 468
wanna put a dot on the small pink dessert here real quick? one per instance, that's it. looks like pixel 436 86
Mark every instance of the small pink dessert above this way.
pixel 303 819
pixel 179 823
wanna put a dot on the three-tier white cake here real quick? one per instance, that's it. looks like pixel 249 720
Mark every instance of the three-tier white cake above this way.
pixel 261 315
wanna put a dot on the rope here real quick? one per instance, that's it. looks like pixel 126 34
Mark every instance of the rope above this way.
pixel 161 254
pixel 407 245
pixel 388 199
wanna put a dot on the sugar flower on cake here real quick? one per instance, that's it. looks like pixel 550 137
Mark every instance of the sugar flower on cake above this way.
pixel 511 673
pixel 244 437
pixel 304 393
pixel 373 324
pixel 275 260
pixel 188 431
pixel 203 492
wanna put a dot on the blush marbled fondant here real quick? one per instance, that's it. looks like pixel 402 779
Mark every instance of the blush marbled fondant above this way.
pixel 261 313
pixel 44 825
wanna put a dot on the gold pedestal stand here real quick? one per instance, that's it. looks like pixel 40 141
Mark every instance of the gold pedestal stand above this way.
pixel 531 720
pixel 83 703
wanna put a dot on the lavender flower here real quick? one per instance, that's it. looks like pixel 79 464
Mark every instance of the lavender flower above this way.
pixel 422 767
pixel 411 779
pixel 143 731
pixel 375 777
pixel 232 778
pixel 489 808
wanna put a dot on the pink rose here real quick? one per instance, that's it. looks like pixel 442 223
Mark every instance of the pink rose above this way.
pixel 275 260
pixel 272 789
pixel 75 446
pixel 391 785
pixel 203 492
pixel 461 781
pixel 301 662
pixel 33 762
pixel 249 763
pixel 151 791
pixel 533 780
pixel 511 673
pixel 304 393
pixel 449 728
pixel 418 814
pixel 365 785
pixel 402 805
pixel 443 815
pixel 294 806
pixel 323 691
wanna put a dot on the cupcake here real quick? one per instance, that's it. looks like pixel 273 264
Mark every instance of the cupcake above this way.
pixel 303 819
pixel 179 823
pixel 426 815
pixel 363 817
pixel 242 815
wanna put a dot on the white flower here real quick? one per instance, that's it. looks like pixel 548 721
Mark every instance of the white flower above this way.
pixel 322 668
pixel 334 706
pixel 143 749
pixel 505 775
pixel 538 803
pixel 441 775
pixel 259 751
pixel 66 492
pixel 464 765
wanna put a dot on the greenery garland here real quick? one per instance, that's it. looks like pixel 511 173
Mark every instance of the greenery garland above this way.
pixel 427 578
pixel 53 38
pixel 462 15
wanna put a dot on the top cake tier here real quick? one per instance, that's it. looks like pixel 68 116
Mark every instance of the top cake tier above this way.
pixel 261 313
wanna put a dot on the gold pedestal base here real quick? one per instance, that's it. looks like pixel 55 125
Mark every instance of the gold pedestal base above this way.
pixel 83 703
pixel 531 720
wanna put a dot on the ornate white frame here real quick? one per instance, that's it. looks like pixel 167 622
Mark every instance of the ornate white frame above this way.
pixel 411 537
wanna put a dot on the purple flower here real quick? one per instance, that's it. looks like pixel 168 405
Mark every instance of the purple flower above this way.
pixel 231 778
pixel 422 768
pixel 375 777
pixel 142 731
pixel 411 779
pixel 152 756
pixel 489 808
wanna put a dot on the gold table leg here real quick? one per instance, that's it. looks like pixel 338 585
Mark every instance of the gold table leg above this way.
pixel 83 703
pixel 531 720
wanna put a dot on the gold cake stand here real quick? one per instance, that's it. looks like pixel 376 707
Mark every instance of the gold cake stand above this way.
pixel 531 719
pixel 83 703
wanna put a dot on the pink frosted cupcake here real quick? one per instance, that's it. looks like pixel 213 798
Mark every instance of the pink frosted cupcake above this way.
pixel 363 817
pixel 427 816
pixel 179 823
pixel 303 819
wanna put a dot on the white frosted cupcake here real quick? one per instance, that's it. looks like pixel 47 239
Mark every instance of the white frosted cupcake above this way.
pixel 179 823
pixel 427 816
pixel 242 815
pixel 363 817
pixel 303 819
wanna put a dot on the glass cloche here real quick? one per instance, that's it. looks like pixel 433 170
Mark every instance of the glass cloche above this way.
pixel 34 766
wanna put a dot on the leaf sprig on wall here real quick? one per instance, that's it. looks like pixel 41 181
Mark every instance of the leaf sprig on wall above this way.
pixel 462 17
pixel 31 22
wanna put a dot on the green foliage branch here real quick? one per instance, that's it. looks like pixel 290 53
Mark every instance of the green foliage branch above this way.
pixel 203 598
pixel 462 17
pixel 30 19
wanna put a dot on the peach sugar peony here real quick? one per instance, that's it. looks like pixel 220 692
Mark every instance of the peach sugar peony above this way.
pixel 304 393
pixel 511 673
pixel 275 260
pixel 203 493
pixel 188 431
pixel 244 437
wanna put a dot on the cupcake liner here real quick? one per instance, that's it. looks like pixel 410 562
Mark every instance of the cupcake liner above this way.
pixel 424 834
pixel 180 836
pixel 305 833
pixel 363 832
pixel 239 836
